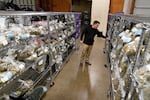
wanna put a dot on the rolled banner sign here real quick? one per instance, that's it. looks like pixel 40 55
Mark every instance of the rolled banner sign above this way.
pixel 10 36
pixel 24 36
pixel 37 93
pixel 5 76
pixel 137 31
pixel 126 39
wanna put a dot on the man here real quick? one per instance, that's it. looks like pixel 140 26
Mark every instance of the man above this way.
pixel 87 38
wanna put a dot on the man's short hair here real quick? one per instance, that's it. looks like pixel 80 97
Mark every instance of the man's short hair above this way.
pixel 96 22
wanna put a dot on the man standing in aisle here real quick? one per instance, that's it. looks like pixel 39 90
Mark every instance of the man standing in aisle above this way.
pixel 87 38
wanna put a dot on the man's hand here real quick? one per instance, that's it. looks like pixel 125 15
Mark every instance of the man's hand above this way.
pixel 81 41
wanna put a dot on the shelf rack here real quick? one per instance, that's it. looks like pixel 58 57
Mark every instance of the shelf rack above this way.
pixel 127 85
pixel 50 68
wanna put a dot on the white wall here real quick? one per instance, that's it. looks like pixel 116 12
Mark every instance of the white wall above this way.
pixel 99 12
pixel 127 6
pixel 142 7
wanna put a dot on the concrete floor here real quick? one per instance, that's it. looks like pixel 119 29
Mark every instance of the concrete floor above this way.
pixel 82 83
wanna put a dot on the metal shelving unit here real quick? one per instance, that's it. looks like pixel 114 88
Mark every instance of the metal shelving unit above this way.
pixel 49 58
pixel 122 65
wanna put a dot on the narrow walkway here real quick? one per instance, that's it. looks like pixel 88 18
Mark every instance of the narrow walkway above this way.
pixel 82 83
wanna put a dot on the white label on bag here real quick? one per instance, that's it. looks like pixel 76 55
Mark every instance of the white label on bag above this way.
pixel 40 62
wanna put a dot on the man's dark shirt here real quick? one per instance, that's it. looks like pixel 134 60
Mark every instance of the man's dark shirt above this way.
pixel 88 35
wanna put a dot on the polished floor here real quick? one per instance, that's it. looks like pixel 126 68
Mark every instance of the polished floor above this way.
pixel 82 83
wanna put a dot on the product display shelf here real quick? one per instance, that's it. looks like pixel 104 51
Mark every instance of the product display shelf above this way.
pixel 4 53
pixel 147 50
pixel 60 67
pixel 14 85
pixel 110 63
pixel 135 92
pixel 141 57
pixel 65 55
pixel 28 74
pixel 42 77
pixel 139 63
pixel 142 82
pixel 10 45
pixel 117 57
pixel 113 61
pixel 57 39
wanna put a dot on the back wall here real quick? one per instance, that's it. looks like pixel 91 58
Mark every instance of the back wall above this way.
pixel 100 9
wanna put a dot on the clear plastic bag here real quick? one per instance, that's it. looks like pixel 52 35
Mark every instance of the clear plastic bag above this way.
pixel 130 48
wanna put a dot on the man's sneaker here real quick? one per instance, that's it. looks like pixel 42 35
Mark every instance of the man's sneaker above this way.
pixel 81 64
pixel 88 63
